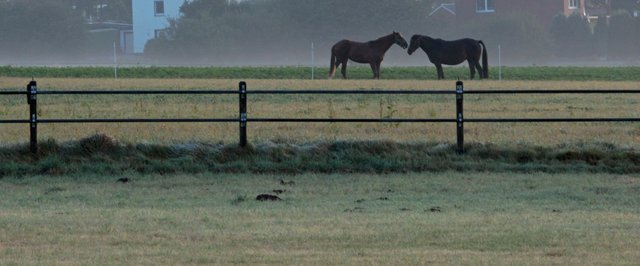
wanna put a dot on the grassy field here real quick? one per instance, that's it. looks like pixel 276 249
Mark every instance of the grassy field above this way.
pixel 630 73
pixel 325 106
pixel 523 194
pixel 398 219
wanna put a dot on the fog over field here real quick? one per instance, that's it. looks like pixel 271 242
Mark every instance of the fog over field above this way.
pixel 301 32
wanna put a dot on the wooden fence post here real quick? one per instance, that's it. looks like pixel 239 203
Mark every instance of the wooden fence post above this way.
pixel 460 116
pixel 243 114
pixel 32 99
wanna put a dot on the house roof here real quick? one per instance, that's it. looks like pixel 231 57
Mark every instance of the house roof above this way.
pixel 447 8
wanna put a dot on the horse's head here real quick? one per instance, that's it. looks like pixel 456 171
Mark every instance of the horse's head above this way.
pixel 399 40
pixel 415 43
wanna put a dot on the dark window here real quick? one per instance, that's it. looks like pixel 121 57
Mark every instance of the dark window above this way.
pixel 574 4
pixel 159 8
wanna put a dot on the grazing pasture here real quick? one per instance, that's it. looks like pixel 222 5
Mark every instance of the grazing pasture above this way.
pixel 396 219
pixel 426 72
pixel 328 106
pixel 466 214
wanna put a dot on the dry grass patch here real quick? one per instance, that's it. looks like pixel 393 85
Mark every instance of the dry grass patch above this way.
pixel 325 106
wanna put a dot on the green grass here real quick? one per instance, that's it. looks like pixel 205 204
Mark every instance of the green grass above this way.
pixel 355 201
pixel 100 154
pixel 303 72
pixel 397 219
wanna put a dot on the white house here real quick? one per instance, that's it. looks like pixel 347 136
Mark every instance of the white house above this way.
pixel 151 18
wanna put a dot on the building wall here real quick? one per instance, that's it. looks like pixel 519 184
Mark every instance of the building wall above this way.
pixel 543 10
pixel 146 22
pixel 568 11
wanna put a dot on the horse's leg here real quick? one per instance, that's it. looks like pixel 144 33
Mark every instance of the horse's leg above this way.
pixel 332 71
pixel 344 69
pixel 375 68
pixel 479 68
pixel 334 67
pixel 338 65
pixel 472 69
pixel 440 71
pixel 473 65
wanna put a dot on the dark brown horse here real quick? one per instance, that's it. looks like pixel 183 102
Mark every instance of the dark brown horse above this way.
pixel 452 53
pixel 371 52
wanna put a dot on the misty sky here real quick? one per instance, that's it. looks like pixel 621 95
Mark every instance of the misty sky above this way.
pixel 298 32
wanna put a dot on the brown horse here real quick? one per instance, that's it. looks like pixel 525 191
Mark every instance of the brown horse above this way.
pixel 371 52
pixel 452 53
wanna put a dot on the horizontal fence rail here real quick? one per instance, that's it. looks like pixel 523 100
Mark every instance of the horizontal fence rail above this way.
pixel 32 92
pixel 550 91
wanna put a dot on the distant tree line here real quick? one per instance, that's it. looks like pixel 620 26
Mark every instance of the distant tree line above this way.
pixel 53 28
pixel 32 28
pixel 218 31
pixel 213 31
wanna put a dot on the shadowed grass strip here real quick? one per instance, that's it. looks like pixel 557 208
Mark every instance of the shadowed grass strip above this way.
pixel 105 155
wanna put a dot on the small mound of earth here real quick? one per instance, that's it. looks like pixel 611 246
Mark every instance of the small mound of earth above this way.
pixel 267 197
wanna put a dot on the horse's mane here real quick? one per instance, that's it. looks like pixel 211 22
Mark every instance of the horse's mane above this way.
pixel 382 38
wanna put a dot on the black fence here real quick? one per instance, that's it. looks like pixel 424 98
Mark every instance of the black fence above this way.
pixel 32 93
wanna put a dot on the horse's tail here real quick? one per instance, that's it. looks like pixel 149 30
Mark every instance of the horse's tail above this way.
pixel 332 67
pixel 485 61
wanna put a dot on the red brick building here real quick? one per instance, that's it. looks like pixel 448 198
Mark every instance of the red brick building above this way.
pixel 543 10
